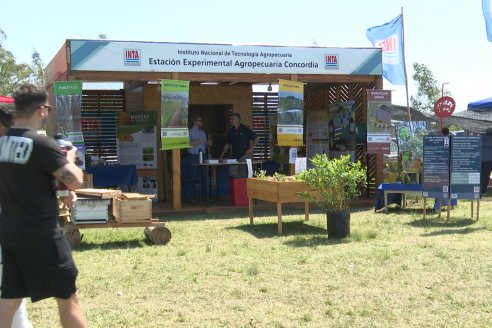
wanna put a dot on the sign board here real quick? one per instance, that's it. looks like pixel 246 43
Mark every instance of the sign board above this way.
pixel 290 114
pixel 444 107
pixel 175 97
pixel 123 56
pixel 137 139
pixel 378 121
pixel 317 134
pixel 435 181
pixel 465 167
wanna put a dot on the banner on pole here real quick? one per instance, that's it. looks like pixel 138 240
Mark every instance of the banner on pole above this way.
pixel 174 114
pixel 68 116
pixel 378 121
pixel 290 113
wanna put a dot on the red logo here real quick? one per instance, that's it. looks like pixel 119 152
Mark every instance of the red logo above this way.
pixel 444 106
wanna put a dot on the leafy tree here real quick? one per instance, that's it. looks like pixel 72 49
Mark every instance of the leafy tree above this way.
pixel 428 89
pixel 13 74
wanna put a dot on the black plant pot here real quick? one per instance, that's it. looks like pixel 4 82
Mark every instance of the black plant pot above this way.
pixel 338 224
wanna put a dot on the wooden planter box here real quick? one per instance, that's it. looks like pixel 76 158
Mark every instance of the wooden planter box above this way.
pixel 276 192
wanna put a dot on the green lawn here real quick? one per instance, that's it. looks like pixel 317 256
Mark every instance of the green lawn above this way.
pixel 395 270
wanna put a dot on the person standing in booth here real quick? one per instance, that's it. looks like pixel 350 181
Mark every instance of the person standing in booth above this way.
pixel 243 141
pixel 199 144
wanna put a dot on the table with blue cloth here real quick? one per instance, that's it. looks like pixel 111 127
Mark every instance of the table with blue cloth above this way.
pixel 391 193
pixel 113 175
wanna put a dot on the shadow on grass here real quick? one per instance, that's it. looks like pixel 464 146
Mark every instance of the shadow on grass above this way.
pixel 109 245
pixel 462 231
pixel 441 223
pixel 316 241
pixel 269 230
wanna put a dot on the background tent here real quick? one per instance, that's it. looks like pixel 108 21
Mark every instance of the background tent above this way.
pixel 4 99
pixel 481 105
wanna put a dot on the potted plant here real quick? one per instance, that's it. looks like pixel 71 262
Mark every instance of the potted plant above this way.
pixel 337 181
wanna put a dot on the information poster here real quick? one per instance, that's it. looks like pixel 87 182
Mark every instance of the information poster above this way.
pixel 465 167
pixel 317 134
pixel 342 129
pixel 68 116
pixel 147 182
pixel 137 139
pixel 435 182
pixel 378 121
pixel 174 114
pixel 290 113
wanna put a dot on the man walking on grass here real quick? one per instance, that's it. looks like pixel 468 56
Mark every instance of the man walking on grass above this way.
pixel 35 256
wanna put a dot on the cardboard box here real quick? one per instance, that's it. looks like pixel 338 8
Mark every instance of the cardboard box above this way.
pixel 132 210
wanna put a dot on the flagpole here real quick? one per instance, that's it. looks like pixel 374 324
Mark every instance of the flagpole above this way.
pixel 405 65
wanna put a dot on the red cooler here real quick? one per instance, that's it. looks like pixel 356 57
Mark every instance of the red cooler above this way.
pixel 239 195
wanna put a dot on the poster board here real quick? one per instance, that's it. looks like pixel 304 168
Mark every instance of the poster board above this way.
pixel 175 97
pixel 378 121
pixel 465 167
pixel 137 139
pixel 290 113
pixel 317 134
pixel 435 181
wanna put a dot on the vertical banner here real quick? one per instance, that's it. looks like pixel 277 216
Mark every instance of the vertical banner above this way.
pixel 342 129
pixel 290 113
pixel 378 121
pixel 465 167
pixel 435 180
pixel 68 104
pixel 174 114
pixel 317 134
pixel 137 139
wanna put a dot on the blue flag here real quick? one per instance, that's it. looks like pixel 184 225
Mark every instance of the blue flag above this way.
pixel 388 37
pixel 487 14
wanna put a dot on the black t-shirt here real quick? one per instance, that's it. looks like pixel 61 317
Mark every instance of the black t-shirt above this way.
pixel 27 197
pixel 239 139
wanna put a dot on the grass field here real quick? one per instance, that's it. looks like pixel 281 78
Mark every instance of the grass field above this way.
pixel 395 270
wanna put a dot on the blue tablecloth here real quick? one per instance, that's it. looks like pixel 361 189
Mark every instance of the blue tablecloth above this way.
pixel 393 198
pixel 113 175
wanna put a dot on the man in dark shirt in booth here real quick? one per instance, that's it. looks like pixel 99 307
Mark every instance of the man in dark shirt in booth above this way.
pixel 242 140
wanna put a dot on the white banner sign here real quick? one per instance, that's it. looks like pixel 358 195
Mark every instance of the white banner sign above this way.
pixel 102 55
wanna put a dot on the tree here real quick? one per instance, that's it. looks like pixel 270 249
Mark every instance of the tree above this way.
pixel 428 89
pixel 13 74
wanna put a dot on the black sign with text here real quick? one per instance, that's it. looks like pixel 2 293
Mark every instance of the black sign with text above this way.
pixel 435 181
pixel 465 167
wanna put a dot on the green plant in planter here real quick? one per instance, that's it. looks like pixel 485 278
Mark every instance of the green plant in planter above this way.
pixel 337 181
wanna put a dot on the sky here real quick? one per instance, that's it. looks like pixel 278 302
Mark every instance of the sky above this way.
pixel 447 35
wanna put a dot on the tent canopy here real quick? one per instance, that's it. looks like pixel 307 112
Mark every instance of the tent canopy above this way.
pixel 484 105
pixel 4 99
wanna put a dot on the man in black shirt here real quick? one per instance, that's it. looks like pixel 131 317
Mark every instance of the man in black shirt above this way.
pixel 36 257
pixel 242 140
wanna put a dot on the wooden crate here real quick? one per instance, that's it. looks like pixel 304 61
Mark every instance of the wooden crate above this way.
pixel 132 210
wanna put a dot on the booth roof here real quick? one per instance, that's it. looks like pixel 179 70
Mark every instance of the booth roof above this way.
pixel 400 113
pixel 474 122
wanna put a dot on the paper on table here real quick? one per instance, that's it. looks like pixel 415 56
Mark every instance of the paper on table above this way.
pixel 250 167
pixel 300 164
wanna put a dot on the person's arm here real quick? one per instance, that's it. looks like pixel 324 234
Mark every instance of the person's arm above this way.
pixel 253 140
pixel 224 150
pixel 70 174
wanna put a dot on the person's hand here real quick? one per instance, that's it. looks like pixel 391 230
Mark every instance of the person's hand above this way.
pixel 69 200
pixel 72 155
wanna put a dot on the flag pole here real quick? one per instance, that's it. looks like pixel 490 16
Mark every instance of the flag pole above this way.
pixel 405 65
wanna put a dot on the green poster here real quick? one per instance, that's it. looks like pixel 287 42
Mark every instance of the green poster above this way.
pixel 137 139
pixel 174 114
pixel 68 108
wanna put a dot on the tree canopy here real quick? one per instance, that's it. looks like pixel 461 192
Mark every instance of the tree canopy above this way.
pixel 13 74
pixel 428 89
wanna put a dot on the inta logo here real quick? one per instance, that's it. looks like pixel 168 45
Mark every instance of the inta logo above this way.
pixel 331 62
pixel 132 57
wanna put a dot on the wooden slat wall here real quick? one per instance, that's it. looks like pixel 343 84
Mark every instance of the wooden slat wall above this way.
pixel 99 110
pixel 264 105
pixel 321 96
